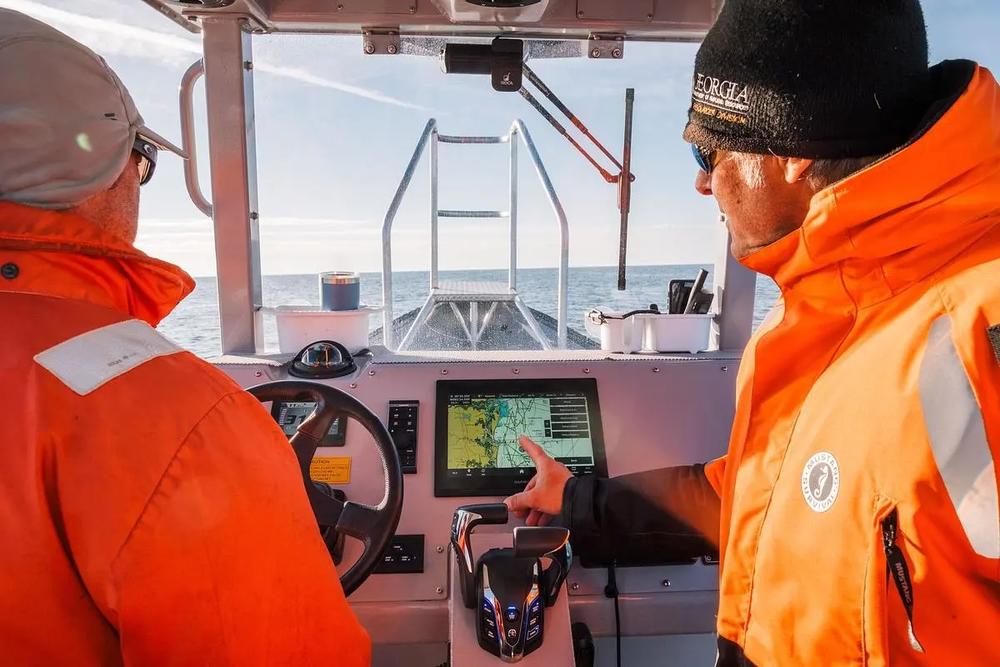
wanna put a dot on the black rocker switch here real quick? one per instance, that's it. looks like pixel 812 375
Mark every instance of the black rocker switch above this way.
pixel 403 429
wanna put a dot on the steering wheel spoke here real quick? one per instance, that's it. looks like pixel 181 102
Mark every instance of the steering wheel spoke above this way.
pixel 327 509
pixel 359 520
pixel 373 525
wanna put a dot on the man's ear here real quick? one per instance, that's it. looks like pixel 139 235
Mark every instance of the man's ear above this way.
pixel 795 168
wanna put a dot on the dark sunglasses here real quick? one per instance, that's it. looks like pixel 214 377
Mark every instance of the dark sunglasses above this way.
pixel 147 152
pixel 705 157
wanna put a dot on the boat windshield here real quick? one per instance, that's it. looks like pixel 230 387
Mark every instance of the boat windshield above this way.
pixel 335 132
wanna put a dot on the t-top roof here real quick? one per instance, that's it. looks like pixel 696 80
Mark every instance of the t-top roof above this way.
pixel 646 20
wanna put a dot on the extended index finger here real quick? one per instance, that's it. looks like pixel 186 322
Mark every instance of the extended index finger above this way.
pixel 533 450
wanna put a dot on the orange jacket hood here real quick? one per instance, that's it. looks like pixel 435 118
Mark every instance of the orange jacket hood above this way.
pixel 61 254
pixel 904 217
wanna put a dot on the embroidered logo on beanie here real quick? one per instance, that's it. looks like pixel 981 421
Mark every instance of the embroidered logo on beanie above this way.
pixel 728 101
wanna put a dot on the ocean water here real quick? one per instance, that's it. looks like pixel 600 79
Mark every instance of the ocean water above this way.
pixel 195 322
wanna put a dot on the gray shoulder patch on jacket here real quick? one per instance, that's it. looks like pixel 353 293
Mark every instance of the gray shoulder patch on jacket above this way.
pixel 993 333
pixel 85 362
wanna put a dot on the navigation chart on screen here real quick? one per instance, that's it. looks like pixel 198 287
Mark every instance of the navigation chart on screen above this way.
pixel 483 429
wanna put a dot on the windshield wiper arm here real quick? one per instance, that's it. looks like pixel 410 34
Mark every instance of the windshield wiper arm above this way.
pixel 624 167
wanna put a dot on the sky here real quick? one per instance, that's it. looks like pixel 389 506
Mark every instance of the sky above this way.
pixel 335 129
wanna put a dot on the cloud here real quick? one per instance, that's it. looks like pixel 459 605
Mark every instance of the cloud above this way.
pixel 120 38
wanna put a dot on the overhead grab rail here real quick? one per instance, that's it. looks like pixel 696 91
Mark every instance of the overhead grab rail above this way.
pixel 190 78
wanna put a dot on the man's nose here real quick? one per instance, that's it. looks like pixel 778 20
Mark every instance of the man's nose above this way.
pixel 703 183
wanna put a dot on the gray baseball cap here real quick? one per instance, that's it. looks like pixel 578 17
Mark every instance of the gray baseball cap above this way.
pixel 67 123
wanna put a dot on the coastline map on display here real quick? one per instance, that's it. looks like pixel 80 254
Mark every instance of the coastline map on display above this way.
pixel 483 429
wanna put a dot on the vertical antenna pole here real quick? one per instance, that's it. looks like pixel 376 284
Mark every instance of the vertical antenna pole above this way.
pixel 625 188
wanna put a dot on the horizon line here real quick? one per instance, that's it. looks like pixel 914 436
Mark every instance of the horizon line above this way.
pixel 526 268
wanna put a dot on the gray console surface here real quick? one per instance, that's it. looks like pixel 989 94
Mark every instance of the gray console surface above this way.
pixel 656 411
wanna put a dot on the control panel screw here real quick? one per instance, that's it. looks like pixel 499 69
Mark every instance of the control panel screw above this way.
pixel 725 369
pixel 257 374
pixel 444 371
pixel 413 9
pixel 575 586
pixel 595 53
pixel 516 371
pixel 371 371
pixel 656 369
pixel 340 8
pixel 439 549
pixel 616 53
pixel 586 371
pixel 439 590
pixel 369 48
pixel 391 49
pixel 666 583
pixel 353 385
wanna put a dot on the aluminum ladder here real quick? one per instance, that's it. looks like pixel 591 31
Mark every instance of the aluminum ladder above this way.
pixel 475 295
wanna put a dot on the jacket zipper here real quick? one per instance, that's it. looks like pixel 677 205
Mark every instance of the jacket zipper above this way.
pixel 899 572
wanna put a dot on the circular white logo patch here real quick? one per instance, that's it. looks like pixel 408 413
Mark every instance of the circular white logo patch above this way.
pixel 821 481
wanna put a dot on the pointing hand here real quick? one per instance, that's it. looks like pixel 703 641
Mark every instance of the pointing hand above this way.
pixel 541 499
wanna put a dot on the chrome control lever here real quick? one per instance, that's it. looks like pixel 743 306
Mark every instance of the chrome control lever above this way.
pixel 551 543
pixel 466 518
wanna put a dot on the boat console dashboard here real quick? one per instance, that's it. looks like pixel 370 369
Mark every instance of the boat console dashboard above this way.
pixel 455 421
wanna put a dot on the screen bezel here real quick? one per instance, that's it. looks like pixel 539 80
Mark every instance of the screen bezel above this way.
pixel 329 440
pixel 445 486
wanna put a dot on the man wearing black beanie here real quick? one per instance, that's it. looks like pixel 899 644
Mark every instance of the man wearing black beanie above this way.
pixel 856 513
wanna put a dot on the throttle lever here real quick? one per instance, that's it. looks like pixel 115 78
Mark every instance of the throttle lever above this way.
pixel 466 518
pixel 546 542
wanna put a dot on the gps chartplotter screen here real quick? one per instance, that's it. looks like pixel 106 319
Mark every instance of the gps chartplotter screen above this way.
pixel 478 424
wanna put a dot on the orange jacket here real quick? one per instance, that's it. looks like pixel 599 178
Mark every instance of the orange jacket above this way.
pixel 151 512
pixel 868 416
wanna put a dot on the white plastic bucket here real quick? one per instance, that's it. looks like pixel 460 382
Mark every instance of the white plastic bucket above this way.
pixel 649 332
pixel 300 325
pixel 674 333
pixel 616 334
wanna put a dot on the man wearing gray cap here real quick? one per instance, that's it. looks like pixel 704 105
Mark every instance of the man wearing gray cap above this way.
pixel 151 512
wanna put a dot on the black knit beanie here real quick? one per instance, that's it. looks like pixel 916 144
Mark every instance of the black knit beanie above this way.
pixel 810 78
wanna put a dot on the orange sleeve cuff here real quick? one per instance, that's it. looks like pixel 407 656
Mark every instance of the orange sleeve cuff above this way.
pixel 715 471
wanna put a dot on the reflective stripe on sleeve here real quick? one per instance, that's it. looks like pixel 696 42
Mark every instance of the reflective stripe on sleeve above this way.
pixel 85 362
pixel 958 439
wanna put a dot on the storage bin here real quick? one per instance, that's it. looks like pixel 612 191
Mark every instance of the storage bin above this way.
pixel 300 325
pixel 674 333
pixel 649 332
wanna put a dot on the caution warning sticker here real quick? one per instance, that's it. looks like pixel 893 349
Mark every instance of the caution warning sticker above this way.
pixel 331 469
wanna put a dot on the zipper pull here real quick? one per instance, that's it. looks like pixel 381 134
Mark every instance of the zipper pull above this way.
pixel 900 573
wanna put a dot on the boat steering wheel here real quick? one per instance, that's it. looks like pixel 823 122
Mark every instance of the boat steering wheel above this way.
pixel 373 525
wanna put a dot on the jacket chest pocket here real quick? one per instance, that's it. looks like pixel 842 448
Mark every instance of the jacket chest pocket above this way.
pixel 888 588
